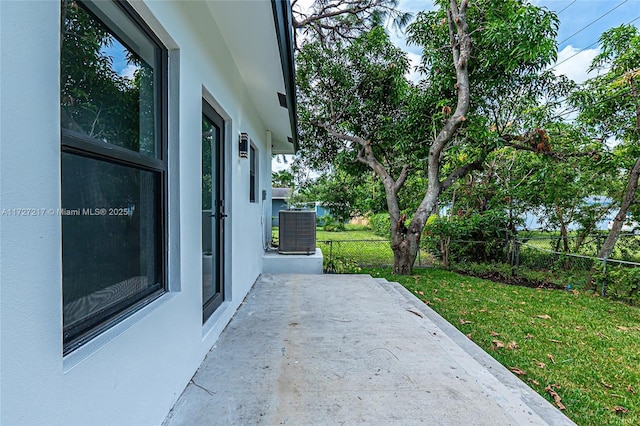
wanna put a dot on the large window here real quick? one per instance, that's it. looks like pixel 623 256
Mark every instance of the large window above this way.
pixel 113 93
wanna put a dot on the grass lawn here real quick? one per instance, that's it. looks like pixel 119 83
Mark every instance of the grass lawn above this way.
pixel 351 233
pixel 584 348
pixel 350 248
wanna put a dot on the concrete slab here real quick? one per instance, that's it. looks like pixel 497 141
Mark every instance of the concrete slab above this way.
pixel 346 349
pixel 276 263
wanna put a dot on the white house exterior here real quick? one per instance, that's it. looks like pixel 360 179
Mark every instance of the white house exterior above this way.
pixel 115 278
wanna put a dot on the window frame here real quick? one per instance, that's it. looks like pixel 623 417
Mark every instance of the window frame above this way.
pixel 76 143
pixel 253 173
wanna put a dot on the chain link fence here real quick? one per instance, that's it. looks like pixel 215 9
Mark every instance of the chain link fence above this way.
pixel 346 256
pixel 573 261
pixel 534 261
pixel 573 252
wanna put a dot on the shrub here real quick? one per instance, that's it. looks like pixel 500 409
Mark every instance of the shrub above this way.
pixel 476 236
pixel 341 265
pixel 621 283
pixel 331 224
pixel 381 225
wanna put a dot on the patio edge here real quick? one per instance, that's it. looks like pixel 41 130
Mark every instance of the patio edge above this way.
pixel 530 397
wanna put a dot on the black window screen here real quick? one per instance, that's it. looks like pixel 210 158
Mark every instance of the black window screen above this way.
pixel 113 121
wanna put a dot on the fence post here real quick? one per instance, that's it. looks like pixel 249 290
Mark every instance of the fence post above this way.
pixel 509 248
pixel 604 277
pixel 331 267
pixel 419 262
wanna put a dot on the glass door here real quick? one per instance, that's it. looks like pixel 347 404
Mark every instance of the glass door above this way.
pixel 213 213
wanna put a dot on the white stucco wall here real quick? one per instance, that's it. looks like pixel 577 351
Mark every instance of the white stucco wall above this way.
pixel 132 374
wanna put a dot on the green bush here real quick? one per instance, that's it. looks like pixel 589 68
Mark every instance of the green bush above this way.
pixel 331 224
pixel 621 283
pixel 381 225
pixel 341 265
pixel 477 237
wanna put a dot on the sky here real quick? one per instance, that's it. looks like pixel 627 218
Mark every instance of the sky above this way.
pixel 581 24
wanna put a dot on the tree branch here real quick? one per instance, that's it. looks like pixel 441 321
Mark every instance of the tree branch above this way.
pixel 402 177
pixel 340 135
pixel 460 172
pixel 366 156
pixel 507 141
pixel 325 15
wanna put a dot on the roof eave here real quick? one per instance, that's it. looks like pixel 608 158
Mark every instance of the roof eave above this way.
pixel 284 33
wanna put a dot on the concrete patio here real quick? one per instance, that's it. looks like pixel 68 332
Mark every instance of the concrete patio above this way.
pixel 349 349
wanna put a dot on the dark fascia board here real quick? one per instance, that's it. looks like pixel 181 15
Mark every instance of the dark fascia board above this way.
pixel 284 33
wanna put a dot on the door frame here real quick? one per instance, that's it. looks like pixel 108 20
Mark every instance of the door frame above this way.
pixel 218 216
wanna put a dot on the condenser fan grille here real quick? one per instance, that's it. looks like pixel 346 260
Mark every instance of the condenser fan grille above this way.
pixel 297 232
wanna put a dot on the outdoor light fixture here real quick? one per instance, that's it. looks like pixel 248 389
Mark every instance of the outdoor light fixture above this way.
pixel 244 145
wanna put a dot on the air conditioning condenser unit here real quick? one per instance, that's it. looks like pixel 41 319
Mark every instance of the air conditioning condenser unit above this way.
pixel 297 232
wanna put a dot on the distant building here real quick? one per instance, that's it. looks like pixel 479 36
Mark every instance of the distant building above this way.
pixel 279 201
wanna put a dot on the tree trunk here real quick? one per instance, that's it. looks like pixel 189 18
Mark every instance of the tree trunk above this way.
pixel 445 243
pixel 405 249
pixel 627 201
pixel 405 241
pixel 564 232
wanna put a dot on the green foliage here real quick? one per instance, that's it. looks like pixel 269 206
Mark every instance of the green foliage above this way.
pixel 473 237
pixel 331 224
pixel 620 49
pixel 381 224
pixel 282 179
pixel 341 265
pixel 95 99
pixel 359 88
pixel 607 103
pixel 345 195
pixel 355 92
pixel 620 283
pixel 513 43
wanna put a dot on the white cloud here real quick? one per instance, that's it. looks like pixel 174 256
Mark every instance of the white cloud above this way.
pixel 415 6
pixel 281 162
pixel 574 63
pixel 414 61
pixel 129 71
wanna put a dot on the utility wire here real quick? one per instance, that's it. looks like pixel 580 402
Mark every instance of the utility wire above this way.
pixel 618 94
pixel 585 48
pixel 593 22
pixel 566 7
pixel 606 79
pixel 569 111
